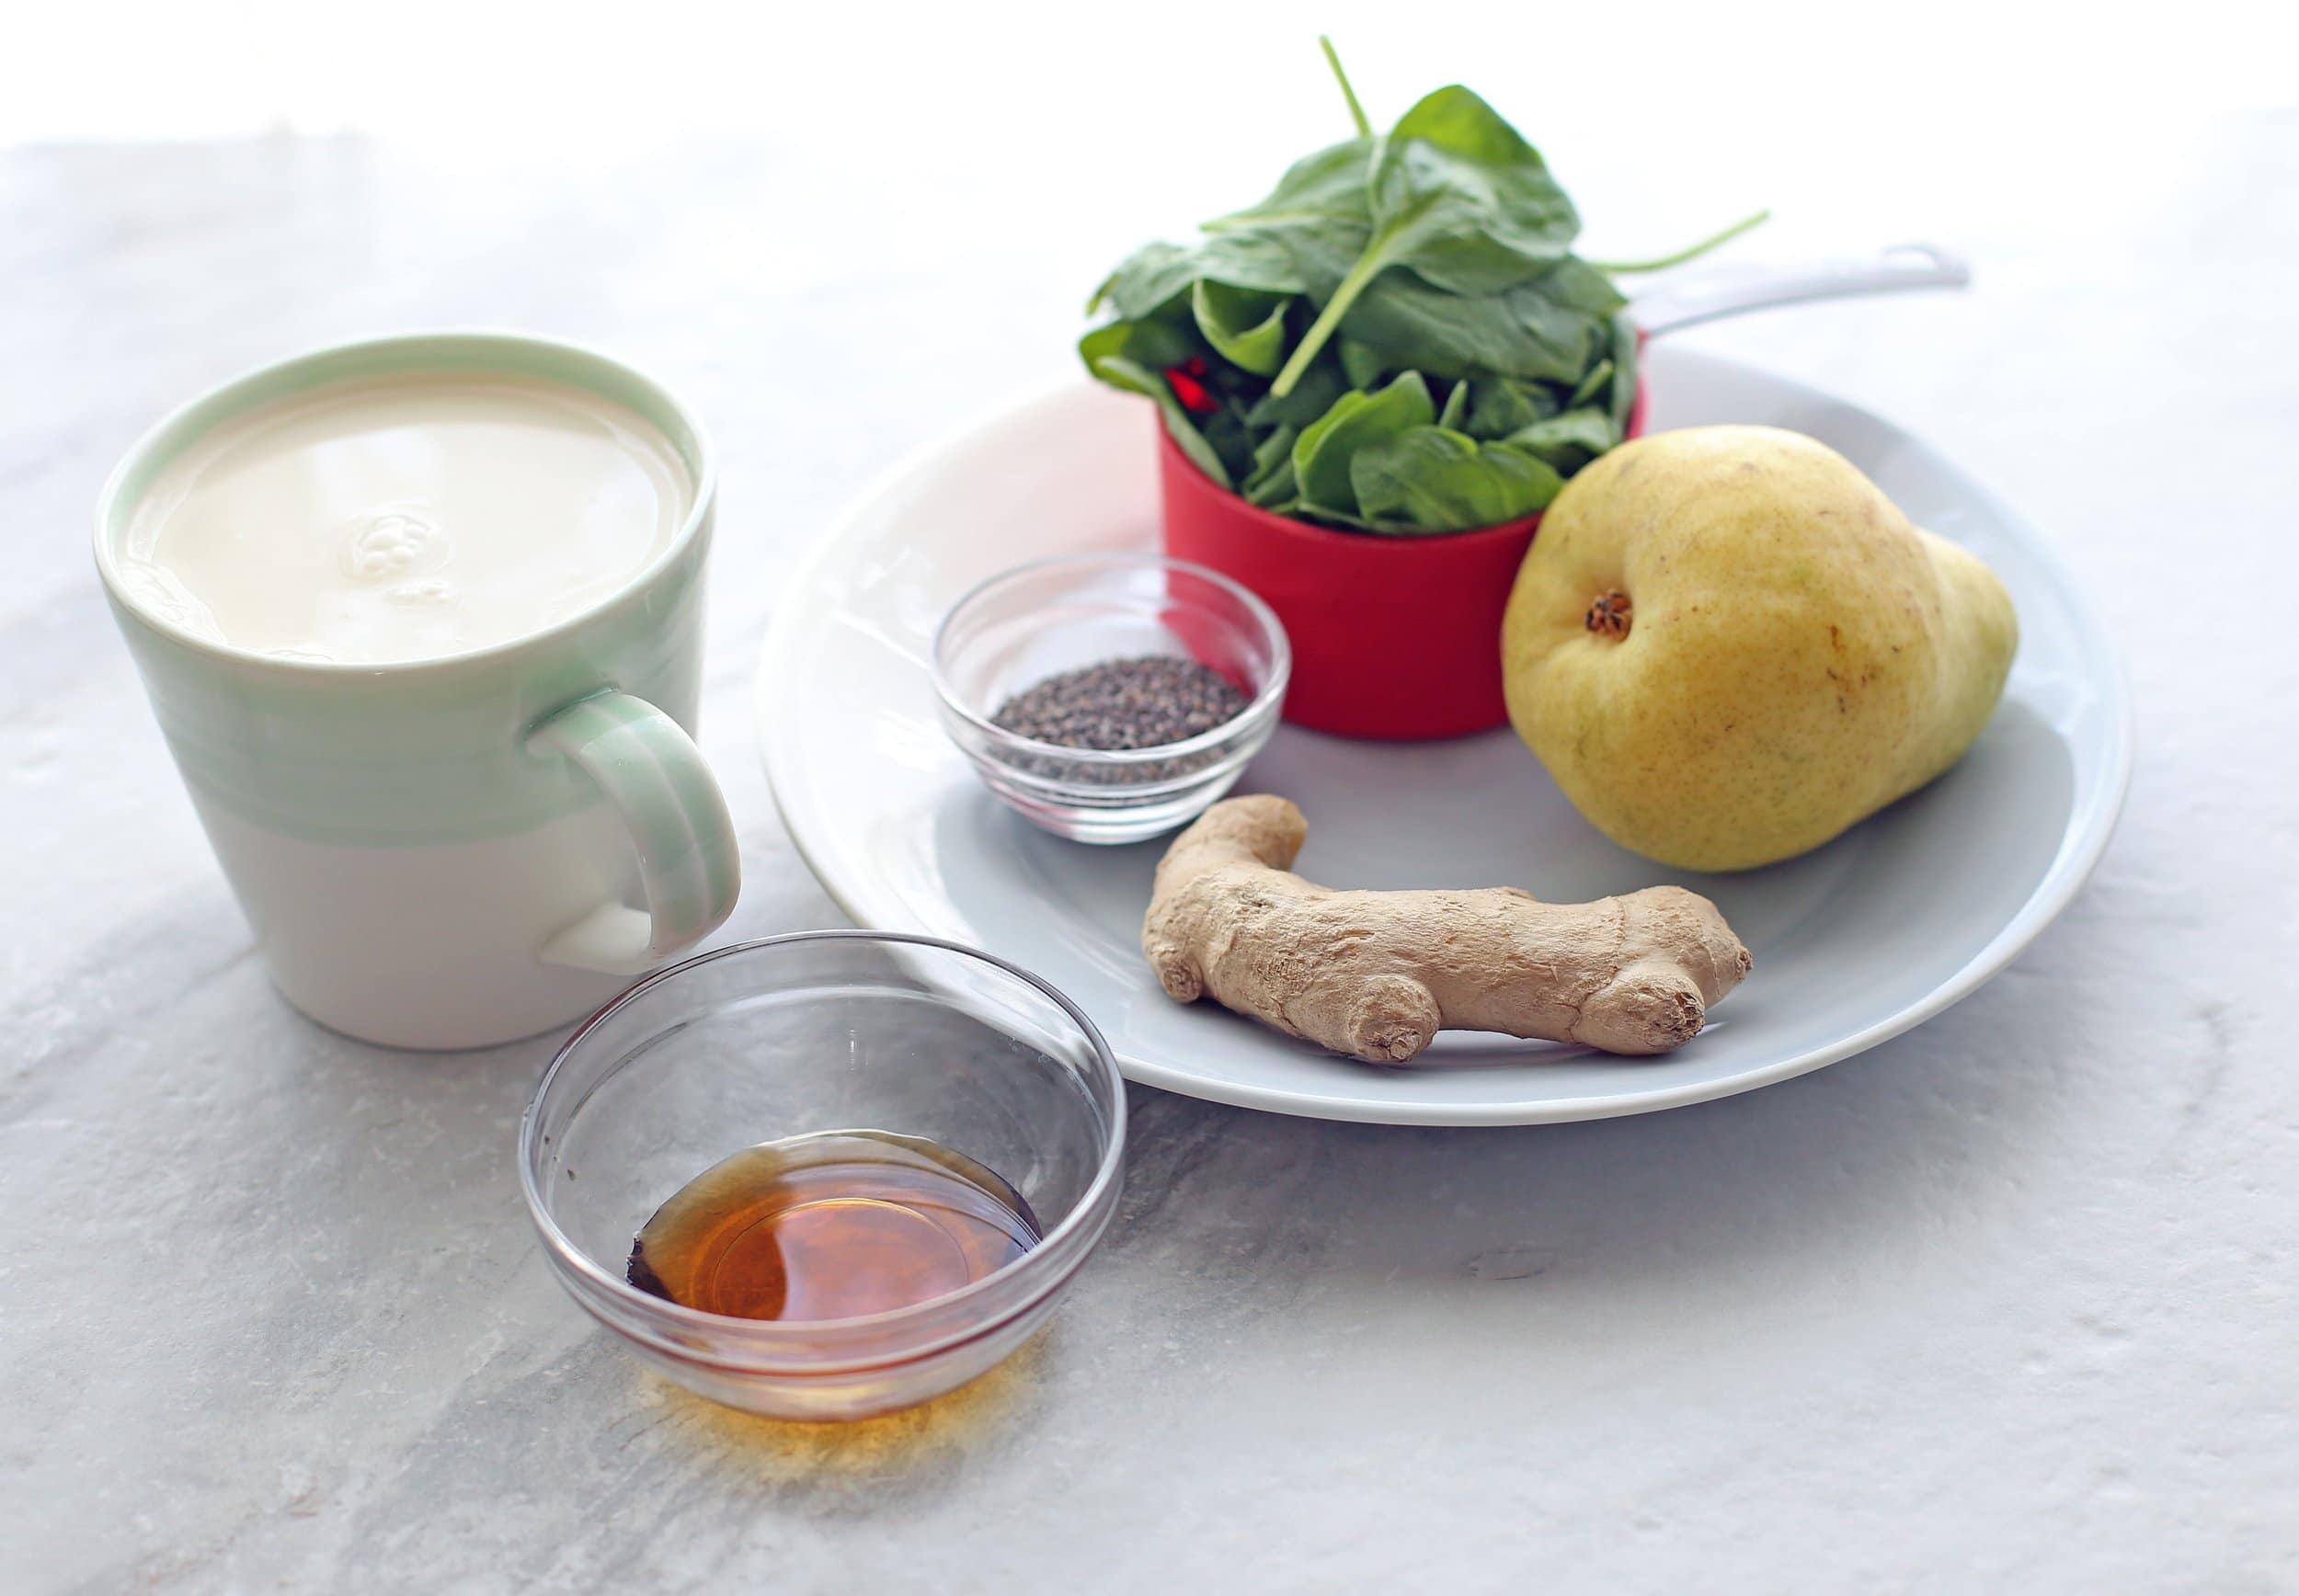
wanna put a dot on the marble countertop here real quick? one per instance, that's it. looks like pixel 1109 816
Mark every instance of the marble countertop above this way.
pixel 2008 1302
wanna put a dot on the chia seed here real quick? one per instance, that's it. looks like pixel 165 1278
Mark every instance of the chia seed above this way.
pixel 1123 704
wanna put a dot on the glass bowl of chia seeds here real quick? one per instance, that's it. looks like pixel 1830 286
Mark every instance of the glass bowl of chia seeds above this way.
pixel 1108 698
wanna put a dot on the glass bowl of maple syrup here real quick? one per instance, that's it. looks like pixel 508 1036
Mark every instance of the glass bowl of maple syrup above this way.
pixel 829 1174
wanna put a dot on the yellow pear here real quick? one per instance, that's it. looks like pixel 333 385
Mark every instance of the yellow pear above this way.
pixel 1727 645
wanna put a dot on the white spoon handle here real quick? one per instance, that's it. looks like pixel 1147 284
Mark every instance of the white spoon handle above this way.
pixel 1734 291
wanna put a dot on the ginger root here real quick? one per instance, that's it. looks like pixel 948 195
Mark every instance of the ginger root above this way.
pixel 1377 975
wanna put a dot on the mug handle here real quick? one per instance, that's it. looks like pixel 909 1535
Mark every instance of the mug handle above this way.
pixel 690 869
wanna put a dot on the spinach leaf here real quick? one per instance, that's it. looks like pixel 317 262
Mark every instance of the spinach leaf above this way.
pixel 1428 479
pixel 1324 188
pixel 1598 382
pixel 1456 409
pixel 1522 332
pixel 1156 275
pixel 1457 195
pixel 1568 441
pixel 1315 394
pixel 1155 344
pixel 1435 260
pixel 1361 363
pixel 1272 475
pixel 1322 454
pixel 1468 203
pixel 1226 433
pixel 1624 373
pixel 1247 325
pixel 1121 373
pixel 1322 255
pixel 1279 488
pixel 1103 342
pixel 1500 405
pixel 1543 327
pixel 1576 285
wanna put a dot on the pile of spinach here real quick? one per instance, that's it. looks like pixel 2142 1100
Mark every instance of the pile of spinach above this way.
pixel 1397 339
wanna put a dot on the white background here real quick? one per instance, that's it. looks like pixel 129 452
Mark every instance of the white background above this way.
pixel 1660 116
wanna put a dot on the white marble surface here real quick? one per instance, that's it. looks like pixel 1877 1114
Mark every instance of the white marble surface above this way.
pixel 2007 1304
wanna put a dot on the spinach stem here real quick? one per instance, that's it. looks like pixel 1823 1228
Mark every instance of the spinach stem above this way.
pixel 1356 112
pixel 1369 266
pixel 1689 253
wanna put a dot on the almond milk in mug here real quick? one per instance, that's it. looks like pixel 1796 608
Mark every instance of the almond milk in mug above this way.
pixel 421 619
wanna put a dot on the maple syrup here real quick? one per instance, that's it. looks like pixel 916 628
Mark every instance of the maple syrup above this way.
pixel 830 1227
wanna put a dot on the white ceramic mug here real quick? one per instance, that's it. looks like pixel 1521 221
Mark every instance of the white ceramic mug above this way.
pixel 459 852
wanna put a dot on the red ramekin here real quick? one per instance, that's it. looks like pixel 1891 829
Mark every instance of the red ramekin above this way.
pixel 1396 638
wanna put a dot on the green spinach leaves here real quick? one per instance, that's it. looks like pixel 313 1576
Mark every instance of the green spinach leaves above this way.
pixel 1398 338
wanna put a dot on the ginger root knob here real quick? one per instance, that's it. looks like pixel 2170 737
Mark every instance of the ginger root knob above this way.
pixel 1378 974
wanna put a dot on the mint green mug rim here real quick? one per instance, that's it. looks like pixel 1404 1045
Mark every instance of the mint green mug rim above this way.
pixel 400 354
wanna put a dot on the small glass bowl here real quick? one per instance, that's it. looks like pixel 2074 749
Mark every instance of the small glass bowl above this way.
pixel 1038 620
pixel 824 1031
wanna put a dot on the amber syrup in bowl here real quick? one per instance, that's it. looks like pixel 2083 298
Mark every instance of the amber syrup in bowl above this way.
pixel 832 1226
pixel 846 1272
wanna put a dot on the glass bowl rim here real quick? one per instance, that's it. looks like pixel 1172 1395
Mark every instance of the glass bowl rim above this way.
pixel 1264 704
pixel 766 1333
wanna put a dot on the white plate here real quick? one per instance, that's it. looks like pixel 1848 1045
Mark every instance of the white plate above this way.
pixel 1854 944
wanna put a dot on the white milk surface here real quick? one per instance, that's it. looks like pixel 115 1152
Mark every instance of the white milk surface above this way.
pixel 403 518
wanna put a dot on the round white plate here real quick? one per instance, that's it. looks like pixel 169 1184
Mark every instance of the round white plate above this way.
pixel 1876 932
